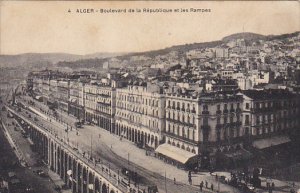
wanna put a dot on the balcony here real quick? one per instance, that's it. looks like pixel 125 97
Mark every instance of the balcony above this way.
pixel 225 111
pixel 193 111
pixel 181 138
pixel 232 110
pixel 218 112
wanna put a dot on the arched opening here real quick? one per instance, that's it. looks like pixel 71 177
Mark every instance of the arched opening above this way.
pixel 97 185
pixel 91 183
pixel 156 142
pixel 84 177
pixel 79 167
pixel 104 188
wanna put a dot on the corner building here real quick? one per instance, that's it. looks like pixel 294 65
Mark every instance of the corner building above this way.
pixel 271 117
pixel 200 125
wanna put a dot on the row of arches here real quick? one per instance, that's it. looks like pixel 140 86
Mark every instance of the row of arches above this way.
pixel 137 136
pixel 76 175
pixel 39 139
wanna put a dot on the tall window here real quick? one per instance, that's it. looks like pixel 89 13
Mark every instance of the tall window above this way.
pixel 247 106
pixel 247 119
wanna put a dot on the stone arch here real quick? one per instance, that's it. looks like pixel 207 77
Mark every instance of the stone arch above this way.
pixel 97 185
pixel 156 142
pixel 91 181
pixel 152 139
pixel 58 160
pixel 182 146
pixel 104 188
pixel 79 173
pixel 139 136
pixel 84 179
pixel 65 166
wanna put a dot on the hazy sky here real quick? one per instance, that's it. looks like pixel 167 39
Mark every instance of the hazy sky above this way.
pixel 48 27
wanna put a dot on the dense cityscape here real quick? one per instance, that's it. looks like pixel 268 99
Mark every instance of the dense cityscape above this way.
pixel 216 117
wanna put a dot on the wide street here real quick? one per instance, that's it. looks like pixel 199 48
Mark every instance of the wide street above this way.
pixel 117 153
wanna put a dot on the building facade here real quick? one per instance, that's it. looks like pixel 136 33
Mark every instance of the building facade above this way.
pixel 99 103
pixel 269 114
pixel 75 105
pixel 202 125
pixel 140 114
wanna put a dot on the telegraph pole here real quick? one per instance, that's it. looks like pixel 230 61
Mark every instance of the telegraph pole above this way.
pixel 166 182
pixel 91 146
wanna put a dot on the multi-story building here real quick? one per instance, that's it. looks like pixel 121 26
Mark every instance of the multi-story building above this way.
pixel 76 107
pixel 199 125
pixel 140 114
pixel 45 89
pixel 194 128
pixel 269 116
pixel 63 94
pixel 99 103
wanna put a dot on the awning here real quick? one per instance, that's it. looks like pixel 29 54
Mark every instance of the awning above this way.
pixel 240 154
pixel 174 153
pixel 268 142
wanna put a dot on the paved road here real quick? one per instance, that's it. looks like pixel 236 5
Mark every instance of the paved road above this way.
pixel 114 152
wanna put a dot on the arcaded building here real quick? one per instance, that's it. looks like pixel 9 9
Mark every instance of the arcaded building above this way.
pixel 140 114
pixel 99 103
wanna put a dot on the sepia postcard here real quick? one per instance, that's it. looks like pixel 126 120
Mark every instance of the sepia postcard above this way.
pixel 149 96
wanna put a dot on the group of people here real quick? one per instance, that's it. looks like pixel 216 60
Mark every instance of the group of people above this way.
pixel 206 186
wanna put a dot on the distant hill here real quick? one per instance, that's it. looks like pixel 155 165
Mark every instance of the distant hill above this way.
pixel 246 35
pixel 46 59
pixel 96 60
pixel 35 59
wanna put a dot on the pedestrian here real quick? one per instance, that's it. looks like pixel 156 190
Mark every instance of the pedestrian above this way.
pixel 174 180
pixel 206 184
pixel 212 187
pixel 273 185
pixel 201 186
